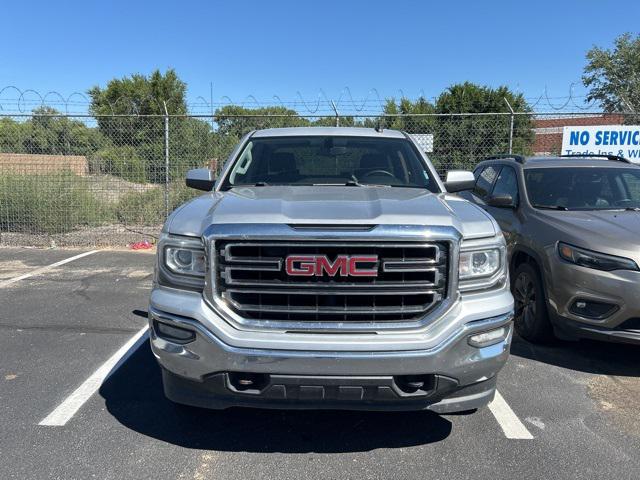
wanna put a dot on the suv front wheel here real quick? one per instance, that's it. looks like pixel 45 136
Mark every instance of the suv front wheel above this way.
pixel 531 318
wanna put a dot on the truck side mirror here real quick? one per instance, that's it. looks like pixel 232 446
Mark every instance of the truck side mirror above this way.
pixel 501 201
pixel 459 180
pixel 201 179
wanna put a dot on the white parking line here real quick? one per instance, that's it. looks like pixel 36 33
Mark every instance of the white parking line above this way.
pixel 507 419
pixel 68 408
pixel 40 270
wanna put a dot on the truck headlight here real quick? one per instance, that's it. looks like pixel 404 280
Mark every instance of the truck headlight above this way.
pixel 596 260
pixel 482 264
pixel 182 262
pixel 479 264
pixel 185 261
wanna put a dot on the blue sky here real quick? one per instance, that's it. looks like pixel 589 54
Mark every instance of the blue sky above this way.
pixel 266 48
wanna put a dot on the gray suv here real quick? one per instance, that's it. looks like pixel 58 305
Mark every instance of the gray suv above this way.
pixel 330 268
pixel 572 226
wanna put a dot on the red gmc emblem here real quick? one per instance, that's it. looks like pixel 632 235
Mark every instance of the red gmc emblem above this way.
pixel 345 265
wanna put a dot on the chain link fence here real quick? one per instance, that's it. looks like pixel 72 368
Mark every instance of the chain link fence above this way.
pixel 112 180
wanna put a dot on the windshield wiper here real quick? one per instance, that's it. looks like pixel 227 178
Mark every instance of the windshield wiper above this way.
pixel 349 183
pixel 354 182
pixel 257 184
pixel 550 207
pixel 616 209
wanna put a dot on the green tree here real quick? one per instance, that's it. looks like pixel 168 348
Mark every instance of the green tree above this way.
pixel 460 140
pixel 135 98
pixel 12 135
pixel 235 121
pixel 192 144
pixel 343 121
pixel 407 115
pixel 130 113
pixel 613 76
pixel 49 133
pixel 141 95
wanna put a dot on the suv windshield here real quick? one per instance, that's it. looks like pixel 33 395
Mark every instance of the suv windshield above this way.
pixel 330 160
pixel 583 188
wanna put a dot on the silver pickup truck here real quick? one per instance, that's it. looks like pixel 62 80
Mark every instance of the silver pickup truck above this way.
pixel 330 268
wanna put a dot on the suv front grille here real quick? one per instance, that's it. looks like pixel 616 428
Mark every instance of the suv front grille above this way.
pixel 251 279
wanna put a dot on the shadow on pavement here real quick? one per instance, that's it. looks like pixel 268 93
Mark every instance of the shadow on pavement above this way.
pixel 585 356
pixel 134 396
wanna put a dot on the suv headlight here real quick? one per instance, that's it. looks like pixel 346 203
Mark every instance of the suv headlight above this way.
pixel 482 264
pixel 182 262
pixel 596 260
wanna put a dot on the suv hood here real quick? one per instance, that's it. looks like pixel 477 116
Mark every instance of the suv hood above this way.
pixel 616 232
pixel 332 205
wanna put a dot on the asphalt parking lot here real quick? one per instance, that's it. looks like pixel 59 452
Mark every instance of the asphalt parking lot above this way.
pixel 81 398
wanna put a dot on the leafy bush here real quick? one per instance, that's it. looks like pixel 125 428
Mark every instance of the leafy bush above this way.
pixel 61 202
pixel 148 207
pixel 141 208
pixel 122 162
pixel 48 203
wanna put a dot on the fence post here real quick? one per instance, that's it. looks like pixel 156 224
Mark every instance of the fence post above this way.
pixel 511 127
pixel 166 161
pixel 335 109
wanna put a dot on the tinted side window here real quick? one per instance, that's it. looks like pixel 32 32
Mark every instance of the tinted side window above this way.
pixel 632 183
pixel 485 181
pixel 507 183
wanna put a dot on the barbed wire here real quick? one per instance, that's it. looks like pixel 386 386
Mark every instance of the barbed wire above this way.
pixel 18 101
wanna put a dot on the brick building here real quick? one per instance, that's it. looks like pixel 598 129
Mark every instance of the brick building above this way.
pixel 29 164
pixel 548 130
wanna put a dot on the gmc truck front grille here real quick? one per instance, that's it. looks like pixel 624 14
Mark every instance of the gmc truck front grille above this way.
pixel 328 281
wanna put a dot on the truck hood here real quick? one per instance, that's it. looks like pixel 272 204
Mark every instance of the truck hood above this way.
pixel 339 205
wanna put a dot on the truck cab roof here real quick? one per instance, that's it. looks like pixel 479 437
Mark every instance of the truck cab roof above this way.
pixel 327 131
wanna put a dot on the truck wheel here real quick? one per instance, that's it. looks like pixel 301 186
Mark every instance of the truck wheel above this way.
pixel 531 317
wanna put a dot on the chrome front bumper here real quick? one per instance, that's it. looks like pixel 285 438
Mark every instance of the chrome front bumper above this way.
pixel 440 348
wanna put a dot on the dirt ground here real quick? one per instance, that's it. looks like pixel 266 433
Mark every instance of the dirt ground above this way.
pixel 618 397
pixel 105 236
pixel 110 189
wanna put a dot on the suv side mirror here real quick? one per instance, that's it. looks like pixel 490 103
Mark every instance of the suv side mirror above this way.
pixel 200 179
pixel 501 201
pixel 459 180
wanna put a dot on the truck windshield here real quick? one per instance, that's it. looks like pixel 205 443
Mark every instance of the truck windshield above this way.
pixel 330 160
pixel 583 188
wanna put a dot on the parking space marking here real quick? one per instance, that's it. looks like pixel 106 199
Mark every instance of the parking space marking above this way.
pixel 40 270
pixel 68 408
pixel 509 422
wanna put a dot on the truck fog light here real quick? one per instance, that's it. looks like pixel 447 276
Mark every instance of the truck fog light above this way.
pixel 491 337
pixel 173 334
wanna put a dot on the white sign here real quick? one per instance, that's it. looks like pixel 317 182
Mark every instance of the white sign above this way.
pixel 621 140
pixel 424 140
